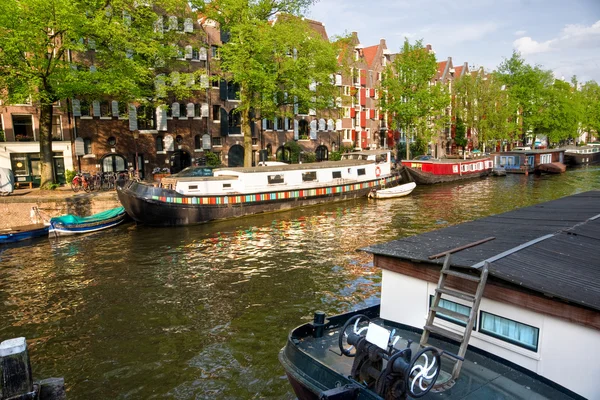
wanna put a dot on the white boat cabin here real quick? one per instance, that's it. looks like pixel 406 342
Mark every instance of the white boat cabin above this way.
pixel 354 167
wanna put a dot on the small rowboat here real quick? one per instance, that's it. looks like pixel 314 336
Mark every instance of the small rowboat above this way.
pixel 73 225
pixel 396 191
pixel 26 232
pixel 552 168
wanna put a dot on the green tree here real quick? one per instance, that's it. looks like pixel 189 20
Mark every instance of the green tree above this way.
pixel 528 88
pixel 560 114
pixel 485 108
pixel 416 106
pixel 43 54
pixel 274 56
pixel 590 104
pixel 460 138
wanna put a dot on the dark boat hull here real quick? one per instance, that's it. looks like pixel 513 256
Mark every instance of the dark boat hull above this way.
pixel 161 207
pixel 427 178
pixel 309 377
pixel 582 159
pixel 551 168
pixel 23 233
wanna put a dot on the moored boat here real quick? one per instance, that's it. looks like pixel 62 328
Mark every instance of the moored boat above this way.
pixel 393 192
pixel 525 161
pixel 427 172
pixel 495 313
pixel 74 225
pixel 552 168
pixel 582 155
pixel 199 194
pixel 26 232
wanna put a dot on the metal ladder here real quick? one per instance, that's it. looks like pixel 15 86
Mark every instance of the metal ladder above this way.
pixel 435 308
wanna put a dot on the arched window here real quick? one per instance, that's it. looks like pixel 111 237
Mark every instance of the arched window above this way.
pixel 160 143
pixel 322 153
pixel 269 150
pixel 114 163
pixel 197 142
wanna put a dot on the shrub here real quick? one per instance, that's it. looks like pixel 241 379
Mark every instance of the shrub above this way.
pixel 69 175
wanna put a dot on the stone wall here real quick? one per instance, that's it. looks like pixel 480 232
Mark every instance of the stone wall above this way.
pixel 17 210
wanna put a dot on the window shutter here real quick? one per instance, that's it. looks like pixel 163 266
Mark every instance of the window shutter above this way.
pixel 96 107
pixel 160 86
pixel 322 124
pixel 205 110
pixel 312 111
pixel 190 81
pixel 161 118
pixel 224 122
pixel 91 44
pixel 223 89
pixel 338 125
pixel 295 105
pixel 188 52
pixel 188 25
pixel 174 78
pixel 204 81
pixel 190 110
pixel 275 124
pixel 158 25
pixel 312 86
pixel 115 108
pixel 286 124
pixel 132 118
pixel 295 129
pixel 295 53
pixel 202 54
pixel 252 128
pixel 76 108
pixel 330 125
pixel 175 109
pixel 129 53
pixel 264 124
pixel 172 23
pixel 127 19
pixel 313 129
pixel 92 68
pixel 338 79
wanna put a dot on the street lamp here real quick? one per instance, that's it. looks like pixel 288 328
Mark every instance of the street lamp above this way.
pixel 136 136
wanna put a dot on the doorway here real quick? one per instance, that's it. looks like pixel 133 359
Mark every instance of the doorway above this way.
pixel 236 156
pixel 179 160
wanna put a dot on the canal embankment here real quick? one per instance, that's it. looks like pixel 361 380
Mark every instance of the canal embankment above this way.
pixel 19 208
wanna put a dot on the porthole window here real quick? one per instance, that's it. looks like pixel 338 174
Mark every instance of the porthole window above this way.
pixel 179 139
pixel 112 141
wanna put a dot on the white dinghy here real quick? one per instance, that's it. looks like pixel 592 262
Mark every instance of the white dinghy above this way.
pixel 396 191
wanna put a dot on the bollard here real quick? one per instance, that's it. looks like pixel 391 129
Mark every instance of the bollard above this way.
pixel 319 324
pixel 15 369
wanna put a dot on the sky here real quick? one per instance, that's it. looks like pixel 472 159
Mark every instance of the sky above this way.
pixel 559 35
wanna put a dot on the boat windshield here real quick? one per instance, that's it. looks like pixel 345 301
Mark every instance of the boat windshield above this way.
pixel 194 172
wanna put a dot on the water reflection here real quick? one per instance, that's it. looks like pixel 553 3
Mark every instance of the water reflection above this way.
pixel 201 312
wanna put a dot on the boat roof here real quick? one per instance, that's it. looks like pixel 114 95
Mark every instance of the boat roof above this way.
pixel 551 248
pixel 535 151
pixel 292 167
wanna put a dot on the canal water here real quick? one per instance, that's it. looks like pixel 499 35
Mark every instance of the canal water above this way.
pixel 202 312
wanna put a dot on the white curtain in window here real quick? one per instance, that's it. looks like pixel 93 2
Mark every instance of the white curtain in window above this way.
pixel 511 330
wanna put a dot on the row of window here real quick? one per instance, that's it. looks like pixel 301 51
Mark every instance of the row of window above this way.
pixel 310 176
pixel 499 327
pixel 23 128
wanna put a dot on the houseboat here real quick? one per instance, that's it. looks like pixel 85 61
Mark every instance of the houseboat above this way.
pixel 509 316
pixel 582 155
pixel 200 194
pixel 525 161
pixel 427 172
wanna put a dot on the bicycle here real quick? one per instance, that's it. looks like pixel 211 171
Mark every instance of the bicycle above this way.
pixel 81 181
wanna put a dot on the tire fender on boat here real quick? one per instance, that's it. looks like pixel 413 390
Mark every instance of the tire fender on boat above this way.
pixel 377 171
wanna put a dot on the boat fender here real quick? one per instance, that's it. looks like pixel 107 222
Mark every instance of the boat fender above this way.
pixel 377 171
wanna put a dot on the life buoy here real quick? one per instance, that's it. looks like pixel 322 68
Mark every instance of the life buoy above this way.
pixel 377 171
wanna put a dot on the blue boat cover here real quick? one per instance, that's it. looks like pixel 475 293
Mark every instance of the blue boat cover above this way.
pixel 70 219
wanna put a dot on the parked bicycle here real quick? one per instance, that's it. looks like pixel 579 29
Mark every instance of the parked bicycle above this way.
pixel 81 181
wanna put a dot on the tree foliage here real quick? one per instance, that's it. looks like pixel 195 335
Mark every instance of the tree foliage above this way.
pixel 277 62
pixel 43 54
pixel 417 106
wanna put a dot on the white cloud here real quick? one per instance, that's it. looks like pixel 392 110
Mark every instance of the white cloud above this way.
pixel 527 45
pixel 520 33
pixel 580 36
